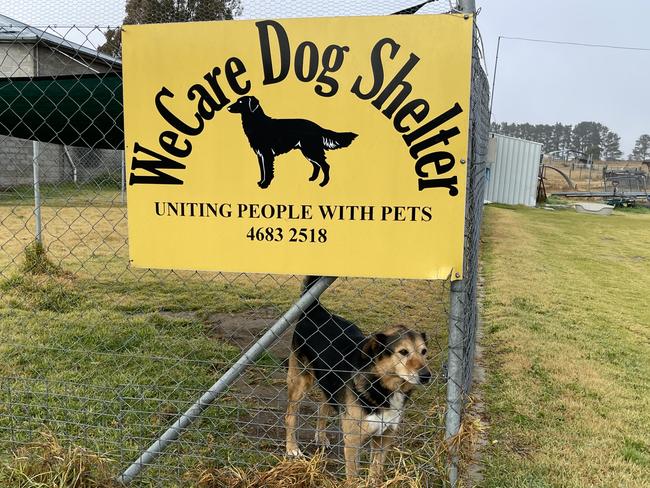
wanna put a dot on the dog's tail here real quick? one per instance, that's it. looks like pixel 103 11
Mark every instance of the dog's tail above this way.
pixel 336 140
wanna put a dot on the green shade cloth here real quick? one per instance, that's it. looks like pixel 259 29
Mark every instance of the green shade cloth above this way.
pixel 73 110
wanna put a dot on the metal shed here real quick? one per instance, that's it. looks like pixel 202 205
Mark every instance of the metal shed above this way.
pixel 512 170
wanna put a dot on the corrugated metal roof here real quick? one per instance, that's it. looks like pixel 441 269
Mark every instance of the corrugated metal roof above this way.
pixel 12 30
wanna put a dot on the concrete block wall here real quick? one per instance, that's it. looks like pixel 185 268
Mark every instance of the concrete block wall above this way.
pixel 16 162
pixel 16 60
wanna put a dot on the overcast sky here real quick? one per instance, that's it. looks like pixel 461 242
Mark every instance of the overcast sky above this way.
pixel 536 83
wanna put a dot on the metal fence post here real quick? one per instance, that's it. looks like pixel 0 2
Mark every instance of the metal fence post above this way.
pixel 248 358
pixel 123 178
pixel 468 6
pixel 37 192
pixel 36 152
pixel 455 368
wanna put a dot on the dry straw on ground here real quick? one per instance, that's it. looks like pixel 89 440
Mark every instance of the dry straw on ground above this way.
pixel 307 473
pixel 46 463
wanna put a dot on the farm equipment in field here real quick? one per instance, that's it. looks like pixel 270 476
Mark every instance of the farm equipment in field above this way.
pixel 624 183
pixel 621 187
pixel 625 180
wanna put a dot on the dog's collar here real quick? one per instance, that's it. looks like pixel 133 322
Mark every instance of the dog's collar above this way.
pixel 372 395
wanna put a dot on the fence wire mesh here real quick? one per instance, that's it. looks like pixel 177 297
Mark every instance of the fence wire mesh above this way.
pixel 479 133
pixel 104 356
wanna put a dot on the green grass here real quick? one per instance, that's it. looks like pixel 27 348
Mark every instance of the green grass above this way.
pixel 78 365
pixel 106 357
pixel 103 191
pixel 566 341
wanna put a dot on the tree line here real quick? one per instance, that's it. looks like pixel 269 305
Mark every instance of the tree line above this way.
pixel 159 11
pixel 591 138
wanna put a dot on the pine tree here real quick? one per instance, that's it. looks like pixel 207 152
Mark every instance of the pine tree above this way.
pixel 612 146
pixel 641 151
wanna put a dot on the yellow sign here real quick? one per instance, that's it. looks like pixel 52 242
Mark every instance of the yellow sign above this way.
pixel 332 146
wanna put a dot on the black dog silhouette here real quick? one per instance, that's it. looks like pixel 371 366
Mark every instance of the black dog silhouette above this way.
pixel 269 137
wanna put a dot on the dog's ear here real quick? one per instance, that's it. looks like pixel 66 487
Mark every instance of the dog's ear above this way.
pixel 424 337
pixel 376 345
pixel 253 104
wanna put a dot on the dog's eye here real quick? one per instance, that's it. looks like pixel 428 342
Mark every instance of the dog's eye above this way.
pixel 424 352
pixel 403 352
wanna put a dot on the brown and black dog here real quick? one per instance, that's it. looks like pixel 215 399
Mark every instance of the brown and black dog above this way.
pixel 367 379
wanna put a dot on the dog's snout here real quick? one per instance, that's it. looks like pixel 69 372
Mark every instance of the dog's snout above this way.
pixel 234 107
pixel 425 376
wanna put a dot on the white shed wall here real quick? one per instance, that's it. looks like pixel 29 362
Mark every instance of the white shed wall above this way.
pixel 514 167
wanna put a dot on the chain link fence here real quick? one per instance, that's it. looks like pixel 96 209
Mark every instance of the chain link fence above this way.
pixel 479 133
pixel 103 356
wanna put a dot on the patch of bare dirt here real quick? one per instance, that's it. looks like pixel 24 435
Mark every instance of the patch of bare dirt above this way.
pixel 245 328
pixel 263 386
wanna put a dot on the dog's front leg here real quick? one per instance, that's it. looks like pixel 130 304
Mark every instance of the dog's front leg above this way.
pixel 266 161
pixel 298 382
pixel 260 161
pixel 380 446
pixel 352 441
